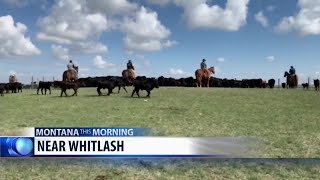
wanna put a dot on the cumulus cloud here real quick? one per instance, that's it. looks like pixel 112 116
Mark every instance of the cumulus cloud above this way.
pixel 144 32
pixel 306 22
pixel 261 18
pixel 70 22
pixel 199 14
pixel 60 52
pixel 270 58
pixel 13 41
pixel 99 62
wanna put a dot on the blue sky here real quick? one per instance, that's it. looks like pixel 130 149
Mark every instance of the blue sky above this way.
pixel 240 38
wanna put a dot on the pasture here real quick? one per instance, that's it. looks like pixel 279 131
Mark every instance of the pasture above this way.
pixel 286 121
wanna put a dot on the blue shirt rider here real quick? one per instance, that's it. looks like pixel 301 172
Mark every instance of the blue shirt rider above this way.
pixel 292 71
pixel 129 65
pixel 203 65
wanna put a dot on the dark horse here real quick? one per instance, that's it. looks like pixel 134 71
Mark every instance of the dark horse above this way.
pixel 203 76
pixel 292 80
pixel 128 76
pixel 69 75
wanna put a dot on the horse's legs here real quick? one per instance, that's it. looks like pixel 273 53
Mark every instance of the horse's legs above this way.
pixel 38 90
pixel 125 89
pixel 138 92
pixel 119 89
pixel 50 90
pixel 61 92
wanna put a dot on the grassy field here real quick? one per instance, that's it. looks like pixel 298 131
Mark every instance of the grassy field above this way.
pixel 287 122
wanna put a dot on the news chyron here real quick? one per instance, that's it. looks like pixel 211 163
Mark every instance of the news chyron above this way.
pixel 111 142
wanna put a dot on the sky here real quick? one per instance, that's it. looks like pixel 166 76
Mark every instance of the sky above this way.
pixel 242 39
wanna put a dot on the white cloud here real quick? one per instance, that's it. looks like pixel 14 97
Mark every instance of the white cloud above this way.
pixel 144 32
pixel 13 41
pixel 71 22
pixel 270 58
pixel 221 60
pixel 178 73
pixel 199 14
pixel 99 62
pixel 262 19
pixel 60 52
pixel 306 22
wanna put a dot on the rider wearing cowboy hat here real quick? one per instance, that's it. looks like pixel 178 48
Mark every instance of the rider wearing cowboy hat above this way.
pixel 129 65
pixel 203 64
pixel 292 71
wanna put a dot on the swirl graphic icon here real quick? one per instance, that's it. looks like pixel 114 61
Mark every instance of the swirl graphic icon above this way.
pixel 19 146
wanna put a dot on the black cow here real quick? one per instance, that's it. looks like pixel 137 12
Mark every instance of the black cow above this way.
pixel 271 83
pixel 13 87
pixel 67 85
pixel 316 84
pixel 147 85
pixel 44 85
pixel 305 85
pixel 2 88
pixel 110 85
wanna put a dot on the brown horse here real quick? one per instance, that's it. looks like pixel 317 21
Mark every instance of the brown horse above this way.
pixel 128 76
pixel 203 76
pixel 292 81
pixel 70 75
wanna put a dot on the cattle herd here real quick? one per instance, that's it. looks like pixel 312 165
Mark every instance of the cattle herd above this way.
pixel 142 83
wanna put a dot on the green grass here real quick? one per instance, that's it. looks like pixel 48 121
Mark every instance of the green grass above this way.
pixel 287 122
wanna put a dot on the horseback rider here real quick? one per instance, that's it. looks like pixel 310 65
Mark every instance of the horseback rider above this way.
pixel 203 65
pixel 71 67
pixel 292 71
pixel 129 65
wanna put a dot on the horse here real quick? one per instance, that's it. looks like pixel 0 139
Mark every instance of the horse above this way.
pixel 70 75
pixel 128 76
pixel 292 80
pixel 203 75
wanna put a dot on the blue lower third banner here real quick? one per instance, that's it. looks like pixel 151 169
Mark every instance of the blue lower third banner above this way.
pixel 135 147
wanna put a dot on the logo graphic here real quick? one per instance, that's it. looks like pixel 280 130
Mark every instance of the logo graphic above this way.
pixel 20 146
